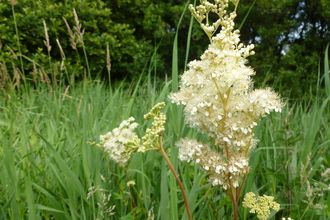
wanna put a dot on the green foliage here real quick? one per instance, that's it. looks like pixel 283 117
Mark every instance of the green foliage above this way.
pixel 290 160
pixel 140 35
pixel 298 70
pixel 49 170
pixel 290 38
pixel 156 22
pixel 128 54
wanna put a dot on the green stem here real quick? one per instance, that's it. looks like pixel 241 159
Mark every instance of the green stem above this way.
pixel 86 60
pixel 19 47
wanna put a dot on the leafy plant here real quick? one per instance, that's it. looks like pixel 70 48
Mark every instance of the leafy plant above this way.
pixel 127 54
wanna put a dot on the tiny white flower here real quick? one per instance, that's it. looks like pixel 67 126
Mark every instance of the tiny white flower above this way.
pixel 130 183
pixel 226 139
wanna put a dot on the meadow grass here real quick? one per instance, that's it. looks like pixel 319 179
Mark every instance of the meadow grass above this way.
pixel 49 171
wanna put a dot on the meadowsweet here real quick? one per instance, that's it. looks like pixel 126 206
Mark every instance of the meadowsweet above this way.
pixel 220 100
pixel 122 142
pixel 150 140
pixel 260 205
pixel 117 141
pixel 214 163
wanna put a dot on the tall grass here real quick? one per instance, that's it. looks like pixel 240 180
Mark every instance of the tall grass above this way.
pixel 50 172
pixel 48 169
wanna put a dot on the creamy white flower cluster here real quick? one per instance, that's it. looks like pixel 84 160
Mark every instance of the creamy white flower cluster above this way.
pixel 221 173
pixel 122 142
pixel 115 141
pixel 218 95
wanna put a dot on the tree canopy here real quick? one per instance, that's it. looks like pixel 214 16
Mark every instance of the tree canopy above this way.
pixel 290 36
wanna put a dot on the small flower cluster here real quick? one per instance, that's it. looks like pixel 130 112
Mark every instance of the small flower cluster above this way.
pixel 115 142
pixel 260 205
pixel 218 95
pixel 150 140
pixel 122 142
pixel 221 173
pixel 202 11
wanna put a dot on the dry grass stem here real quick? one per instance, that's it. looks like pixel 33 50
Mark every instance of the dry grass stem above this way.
pixel 35 73
pixel 61 50
pixel 4 76
pixel 54 75
pixel 13 2
pixel 78 26
pixel 73 39
pixel 47 37
pixel 108 59
pixel 45 79
pixel 17 77
pixel 12 52
pixel 66 94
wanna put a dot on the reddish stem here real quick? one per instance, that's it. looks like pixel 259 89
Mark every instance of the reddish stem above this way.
pixel 177 179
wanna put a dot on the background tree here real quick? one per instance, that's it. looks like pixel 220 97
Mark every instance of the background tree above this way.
pixel 290 38
pixel 128 54
pixel 155 22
